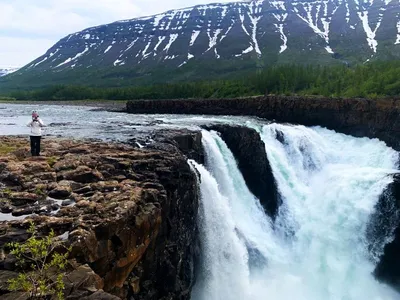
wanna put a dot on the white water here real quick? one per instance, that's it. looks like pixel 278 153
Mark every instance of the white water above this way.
pixel 316 249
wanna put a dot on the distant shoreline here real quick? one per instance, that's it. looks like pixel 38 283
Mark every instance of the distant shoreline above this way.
pixel 109 105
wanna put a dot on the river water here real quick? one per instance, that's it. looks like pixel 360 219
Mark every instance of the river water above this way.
pixel 89 122
pixel 317 247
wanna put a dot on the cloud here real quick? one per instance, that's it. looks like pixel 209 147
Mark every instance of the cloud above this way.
pixel 28 28
pixel 14 51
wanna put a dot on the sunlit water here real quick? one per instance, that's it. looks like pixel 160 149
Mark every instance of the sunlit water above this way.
pixel 317 248
pixel 87 122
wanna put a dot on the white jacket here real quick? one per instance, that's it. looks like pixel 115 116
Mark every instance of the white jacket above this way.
pixel 36 127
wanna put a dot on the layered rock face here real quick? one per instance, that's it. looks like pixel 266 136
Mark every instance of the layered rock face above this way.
pixel 128 214
pixel 249 151
pixel 358 117
pixel 388 269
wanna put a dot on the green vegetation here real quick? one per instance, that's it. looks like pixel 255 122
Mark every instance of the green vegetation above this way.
pixel 52 160
pixel 7 99
pixel 46 266
pixel 7 147
pixel 373 80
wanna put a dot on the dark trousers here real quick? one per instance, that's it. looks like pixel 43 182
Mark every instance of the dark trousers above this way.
pixel 35 145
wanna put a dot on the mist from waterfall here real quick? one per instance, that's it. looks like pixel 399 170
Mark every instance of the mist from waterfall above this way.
pixel 316 248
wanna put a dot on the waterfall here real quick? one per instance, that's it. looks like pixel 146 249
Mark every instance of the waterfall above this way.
pixel 317 248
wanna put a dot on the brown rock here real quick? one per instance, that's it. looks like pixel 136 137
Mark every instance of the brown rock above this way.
pixel 101 295
pixel 83 278
pixel 60 192
pixel 135 284
pixel 82 174
pixel 22 198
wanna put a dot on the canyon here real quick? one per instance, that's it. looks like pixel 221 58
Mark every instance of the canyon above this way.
pixel 132 213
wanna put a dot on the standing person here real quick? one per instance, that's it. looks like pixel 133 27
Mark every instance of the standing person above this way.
pixel 36 133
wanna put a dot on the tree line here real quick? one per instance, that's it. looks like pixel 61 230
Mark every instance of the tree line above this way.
pixel 378 79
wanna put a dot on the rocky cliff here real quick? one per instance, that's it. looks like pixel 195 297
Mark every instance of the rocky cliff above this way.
pixel 388 215
pixel 358 117
pixel 249 151
pixel 128 214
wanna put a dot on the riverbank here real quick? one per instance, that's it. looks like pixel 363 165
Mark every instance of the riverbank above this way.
pixel 107 105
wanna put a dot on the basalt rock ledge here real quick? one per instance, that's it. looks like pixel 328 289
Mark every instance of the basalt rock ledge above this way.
pixel 129 215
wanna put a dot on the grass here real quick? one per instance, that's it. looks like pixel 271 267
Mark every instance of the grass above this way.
pixel 10 146
pixel 52 160
pixel 7 149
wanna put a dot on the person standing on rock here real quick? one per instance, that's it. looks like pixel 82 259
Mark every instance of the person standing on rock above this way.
pixel 36 133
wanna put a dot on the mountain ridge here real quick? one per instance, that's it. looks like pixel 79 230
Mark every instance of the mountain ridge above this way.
pixel 7 70
pixel 223 37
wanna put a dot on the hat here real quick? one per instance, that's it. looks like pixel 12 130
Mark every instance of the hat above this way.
pixel 35 114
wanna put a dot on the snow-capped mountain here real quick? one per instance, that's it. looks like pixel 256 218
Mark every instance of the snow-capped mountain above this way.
pixel 7 70
pixel 264 32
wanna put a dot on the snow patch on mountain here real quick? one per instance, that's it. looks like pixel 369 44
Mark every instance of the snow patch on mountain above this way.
pixel 227 31
pixel 363 14
pixel 304 11
pixel 172 39
pixel 281 18
pixel 68 60
pixel 7 70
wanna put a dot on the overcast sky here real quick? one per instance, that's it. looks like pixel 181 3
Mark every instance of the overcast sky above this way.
pixel 29 27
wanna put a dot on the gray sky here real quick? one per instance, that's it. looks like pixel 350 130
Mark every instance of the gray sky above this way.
pixel 29 27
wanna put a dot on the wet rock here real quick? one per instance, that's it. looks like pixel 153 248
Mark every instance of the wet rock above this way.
pixel 83 190
pixel 27 210
pixel 188 142
pixel 249 151
pixel 67 202
pixel 5 206
pixel 387 217
pixel 6 209
pixel 60 192
pixel 23 198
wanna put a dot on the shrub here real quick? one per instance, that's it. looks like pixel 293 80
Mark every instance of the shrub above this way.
pixel 39 255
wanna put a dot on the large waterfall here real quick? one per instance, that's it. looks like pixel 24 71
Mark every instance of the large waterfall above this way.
pixel 316 248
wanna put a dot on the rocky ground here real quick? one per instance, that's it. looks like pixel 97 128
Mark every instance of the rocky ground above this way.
pixel 129 215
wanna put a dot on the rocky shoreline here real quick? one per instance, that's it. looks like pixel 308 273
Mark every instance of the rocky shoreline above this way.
pixel 116 206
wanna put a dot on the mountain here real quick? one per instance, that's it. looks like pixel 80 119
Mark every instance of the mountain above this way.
pixel 7 70
pixel 220 40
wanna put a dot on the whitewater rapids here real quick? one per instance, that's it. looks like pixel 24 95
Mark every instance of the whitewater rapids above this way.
pixel 316 248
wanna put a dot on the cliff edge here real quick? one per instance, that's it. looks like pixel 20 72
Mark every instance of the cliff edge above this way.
pixel 128 214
